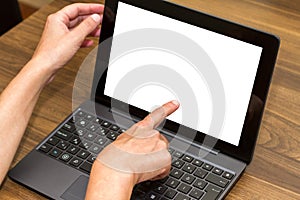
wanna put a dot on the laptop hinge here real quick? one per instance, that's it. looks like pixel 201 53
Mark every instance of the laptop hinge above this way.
pixel 189 142
pixel 186 141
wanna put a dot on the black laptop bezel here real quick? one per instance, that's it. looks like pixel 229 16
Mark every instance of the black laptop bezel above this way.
pixel 269 43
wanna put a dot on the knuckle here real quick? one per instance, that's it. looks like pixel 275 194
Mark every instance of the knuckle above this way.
pixel 51 17
pixel 55 17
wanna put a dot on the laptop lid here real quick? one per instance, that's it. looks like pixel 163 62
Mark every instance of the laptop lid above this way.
pixel 154 51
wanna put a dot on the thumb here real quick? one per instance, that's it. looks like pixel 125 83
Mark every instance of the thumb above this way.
pixel 86 27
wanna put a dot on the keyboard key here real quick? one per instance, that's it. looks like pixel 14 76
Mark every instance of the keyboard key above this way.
pixel 163 180
pixel 172 183
pixel 176 173
pixel 171 151
pixel 80 114
pixel 188 178
pixel 177 154
pixel 65 157
pixel 181 197
pixel 69 127
pixel 45 148
pixel 92 127
pixel 80 132
pixel 195 193
pixel 85 144
pixel 200 173
pixel 147 186
pixel 62 145
pixel 170 193
pixel 187 158
pixel 184 188
pixel 83 154
pixel 82 123
pixel 200 184
pixel 178 163
pixel 55 152
pixel 102 131
pixel 97 120
pixel 90 136
pixel 105 124
pixel 89 117
pixel 152 196
pixel 121 131
pixel 219 181
pixel 160 189
pixel 138 195
pixel 189 168
pixel 75 162
pixel 63 134
pixel 107 143
pixel 206 166
pixel 95 149
pixel 74 119
pixel 75 140
pixel 114 128
pixel 227 175
pixel 86 167
pixel 112 135
pixel 92 158
pixel 100 140
pixel 53 141
pixel 198 163
pixel 217 171
pixel 73 149
pixel 212 192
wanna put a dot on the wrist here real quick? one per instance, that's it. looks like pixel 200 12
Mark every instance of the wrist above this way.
pixel 108 183
pixel 40 68
pixel 110 173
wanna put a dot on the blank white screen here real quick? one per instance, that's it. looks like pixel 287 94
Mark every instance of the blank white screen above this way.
pixel 236 62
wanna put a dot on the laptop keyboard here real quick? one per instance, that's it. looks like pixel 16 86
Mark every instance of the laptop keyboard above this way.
pixel 78 142
pixel 189 179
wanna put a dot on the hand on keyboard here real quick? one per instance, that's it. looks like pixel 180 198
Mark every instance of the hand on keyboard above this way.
pixel 142 150
pixel 139 154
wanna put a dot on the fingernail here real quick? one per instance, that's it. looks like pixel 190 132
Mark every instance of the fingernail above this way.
pixel 175 102
pixel 96 17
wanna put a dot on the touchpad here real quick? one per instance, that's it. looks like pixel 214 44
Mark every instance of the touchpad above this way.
pixel 77 190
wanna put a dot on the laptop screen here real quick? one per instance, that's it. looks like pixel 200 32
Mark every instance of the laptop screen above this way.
pixel 210 68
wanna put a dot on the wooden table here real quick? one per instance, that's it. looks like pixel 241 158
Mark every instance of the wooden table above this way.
pixel 275 170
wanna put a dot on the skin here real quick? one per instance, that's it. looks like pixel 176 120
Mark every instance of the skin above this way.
pixel 64 33
pixel 109 181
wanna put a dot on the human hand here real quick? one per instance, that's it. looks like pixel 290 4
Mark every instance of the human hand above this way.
pixel 138 154
pixel 65 32
pixel 142 151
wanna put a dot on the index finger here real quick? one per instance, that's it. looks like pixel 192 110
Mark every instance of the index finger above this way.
pixel 158 115
pixel 77 9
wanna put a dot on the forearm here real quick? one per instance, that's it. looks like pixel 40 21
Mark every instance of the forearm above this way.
pixel 17 102
pixel 106 183
pixel 64 33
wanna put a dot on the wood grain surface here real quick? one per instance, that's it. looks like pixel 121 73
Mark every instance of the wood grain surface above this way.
pixel 275 170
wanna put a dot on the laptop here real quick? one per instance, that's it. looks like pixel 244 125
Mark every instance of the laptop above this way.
pixel 151 52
